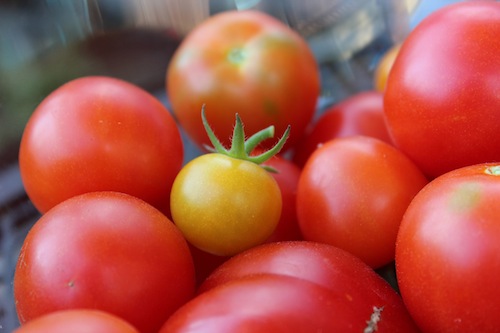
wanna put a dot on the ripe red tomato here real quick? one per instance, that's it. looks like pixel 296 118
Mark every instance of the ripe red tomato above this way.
pixel 441 99
pixel 107 251
pixel 77 321
pixel 448 252
pixel 353 192
pixel 359 114
pixel 287 177
pixel 357 285
pixel 245 62
pixel 100 134
pixel 272 303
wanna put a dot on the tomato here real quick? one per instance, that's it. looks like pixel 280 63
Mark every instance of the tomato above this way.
pixel 205 263
pixel 107 251
pixel 77 321
pixel 441 100
pixel 359 114
pixel 384 67
pixel 224 205
pixel 287 177
pixel 357 285
pixel 448 252
pixel 246 62
pixel 100 134
pixel 226 202
pixel 267 303
pixel 353 192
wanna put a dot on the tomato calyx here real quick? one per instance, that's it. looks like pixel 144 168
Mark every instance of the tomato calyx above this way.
pixel 241 148
pixel 236 56
pixel 376 316
pixel 493 170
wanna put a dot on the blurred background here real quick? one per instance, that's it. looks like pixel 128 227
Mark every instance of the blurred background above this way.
pixel 45 43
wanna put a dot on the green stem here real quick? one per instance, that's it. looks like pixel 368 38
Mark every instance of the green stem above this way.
pixel 253 141
pixel 238 140
pixel 265 156
pixel 241 148
pixel 218 147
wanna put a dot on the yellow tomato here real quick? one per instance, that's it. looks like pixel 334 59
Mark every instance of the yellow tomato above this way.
pixel 224 205
pixel 384 67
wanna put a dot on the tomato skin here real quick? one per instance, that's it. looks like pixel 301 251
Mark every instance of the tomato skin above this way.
pixel 330 267
pixel 107 251
pixel 352 194
pixel 441 100
pixel 359 114
pixel 77 321
pixel 266 303
pixel 100 134
pixel 224 205
pixel 246 62
pixel 287 178
pixel 448 252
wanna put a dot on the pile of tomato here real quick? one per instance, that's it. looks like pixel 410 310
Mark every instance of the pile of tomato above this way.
pixel 282 223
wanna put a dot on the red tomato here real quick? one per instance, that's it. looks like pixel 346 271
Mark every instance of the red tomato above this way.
pixel 353 192
pixel 100 134
pixel 107 251
pixel 448 252
pixel 357 284
pixel 287 177
pixel 245 62
pixel 359 114
pixel 272 303
pixel 77 321
pixel 441 99
pixel 205 263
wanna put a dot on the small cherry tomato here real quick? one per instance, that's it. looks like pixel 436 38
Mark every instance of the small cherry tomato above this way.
pixel 225 202
pixel 287 176
pixel 107 251
pixel 352 194
pixel 442 97
pixel 357 285
pixel 246 61
pixel 359 114
pixel 225 205
pixel 384 68
pixel 448 252
pixel 100 134
pixel 77 321
pixel 267 304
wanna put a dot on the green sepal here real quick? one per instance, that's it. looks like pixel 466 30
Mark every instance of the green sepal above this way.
pixel 241 148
